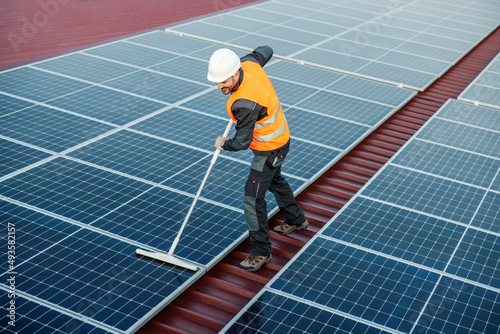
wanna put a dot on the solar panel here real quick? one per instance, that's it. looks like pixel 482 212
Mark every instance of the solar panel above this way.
pixel 112 153
pixel 274 313
pixel 36 318
pixel 387 42
pixel 485 89
pixel 83 273
pixel 49 128
pixel 416 250
pixel 85 67
pixel 358 283
pixel 111 142
pixel 16 156
pixel 10 104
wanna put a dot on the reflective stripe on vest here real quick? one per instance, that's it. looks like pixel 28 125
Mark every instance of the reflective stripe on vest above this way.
pixel 275 134
pixel 269 121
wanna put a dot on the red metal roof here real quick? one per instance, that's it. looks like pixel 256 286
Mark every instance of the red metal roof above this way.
pixel 31 29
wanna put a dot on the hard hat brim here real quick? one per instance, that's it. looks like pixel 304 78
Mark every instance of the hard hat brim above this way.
pixel 221 79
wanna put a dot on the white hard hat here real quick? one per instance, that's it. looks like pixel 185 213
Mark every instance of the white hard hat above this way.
pixel 223 64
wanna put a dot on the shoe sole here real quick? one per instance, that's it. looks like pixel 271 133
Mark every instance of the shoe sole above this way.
pixel 260 266
pixel 302 228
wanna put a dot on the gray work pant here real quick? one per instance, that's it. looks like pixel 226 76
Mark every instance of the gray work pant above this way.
pixel 265 174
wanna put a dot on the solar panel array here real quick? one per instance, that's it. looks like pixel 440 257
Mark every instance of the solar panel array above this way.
pixel 485 89
pixel 417 250
pixel 406 42
pixel 103 150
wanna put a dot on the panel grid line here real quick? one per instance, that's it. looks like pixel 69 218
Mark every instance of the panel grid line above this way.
pixel 332 310
pixel 451 258
pixel 65 311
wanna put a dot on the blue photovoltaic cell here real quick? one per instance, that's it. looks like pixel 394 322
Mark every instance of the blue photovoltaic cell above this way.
pixel 426 193
pixel 301 74
pixel 98 277
pixel 184 67
pixel 306 159
pixel 156 86
pixel 434 52
pixel 490 79
pixel 346 107
pixel 289 34
pixel 372 39
pixel 458 307
pixel 365 285
pixel 107 105
pixel 274 313
pixel 283 8
pixel 140 156
pixel 211 31
pixel 351 48
pixel 37 85
pixel 10 104
pixel 86 67
pixel 401 233
pixel 478 258
pixel 462 136
pixel 177 124
pixel 213 103
pixel 38 231
pixel 482 94
pixel 398 74
pixel 279 46
pixel 132 54
pixel 155 217
pixel 350 12
pixel 322 129
pixel 49 128
pixel 414 62
pixel 255 13
pixel 488 215
pixel 340 20
pixel 371 90
pixel 170 42
pixel 332 59
pixel 448 162
pixel 14 156
pixel 31 317
pixel 292 93
pixel 236 22
pixel 444 42
pixel 314 26
pixel 454 24
pixel 459 34
pixel 487 118
pixel 72 190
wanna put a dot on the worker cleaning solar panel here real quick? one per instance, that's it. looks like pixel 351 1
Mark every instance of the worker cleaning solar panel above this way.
pixel 261 126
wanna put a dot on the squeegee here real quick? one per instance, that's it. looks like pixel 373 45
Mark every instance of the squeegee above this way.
pixel 170 258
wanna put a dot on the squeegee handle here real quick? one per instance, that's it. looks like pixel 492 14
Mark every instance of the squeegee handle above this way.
pixel 214 158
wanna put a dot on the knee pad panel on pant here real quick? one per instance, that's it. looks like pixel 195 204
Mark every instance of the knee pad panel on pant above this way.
pixel 250 213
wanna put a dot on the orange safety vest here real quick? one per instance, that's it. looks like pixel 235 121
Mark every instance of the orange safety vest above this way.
pixel 272 131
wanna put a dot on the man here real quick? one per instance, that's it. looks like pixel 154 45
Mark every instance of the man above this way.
pixel 262 127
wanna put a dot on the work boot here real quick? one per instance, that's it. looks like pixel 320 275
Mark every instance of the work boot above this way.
pixel 286 229
pixel 254 262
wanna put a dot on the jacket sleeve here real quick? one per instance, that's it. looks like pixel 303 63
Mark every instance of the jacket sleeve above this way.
pixel 260 55
pixel 246 113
